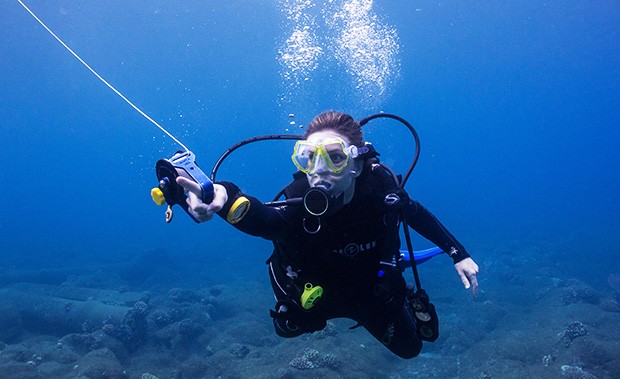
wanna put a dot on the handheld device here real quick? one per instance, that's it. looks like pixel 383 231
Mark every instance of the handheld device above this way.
pixel 182 163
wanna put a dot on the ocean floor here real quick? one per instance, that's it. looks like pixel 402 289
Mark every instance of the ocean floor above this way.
pixel 530 320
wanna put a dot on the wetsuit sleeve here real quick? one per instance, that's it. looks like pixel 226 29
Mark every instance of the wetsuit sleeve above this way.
pixel 427 225
pixel 259 220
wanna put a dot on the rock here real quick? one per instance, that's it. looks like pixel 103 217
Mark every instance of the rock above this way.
pixel 16 353
pixel 160 318
pixel 590 352
pixel 11 325
pixel 99 364
pixel 194 367
pixel 86 342
pixel 614 281
pixel 576 291
pixel 54 370
pixel 19 371
pixel 183 296
pixel 239 350
pixel 61 353
pixel 572 331
pixel 610 305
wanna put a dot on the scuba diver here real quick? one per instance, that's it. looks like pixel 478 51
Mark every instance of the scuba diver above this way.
pixel 338 254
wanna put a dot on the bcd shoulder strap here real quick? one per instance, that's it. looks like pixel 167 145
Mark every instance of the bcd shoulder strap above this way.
pixel 297 187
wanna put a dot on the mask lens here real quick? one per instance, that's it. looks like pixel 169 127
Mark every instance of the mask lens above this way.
pixel 336 155
pixel 303 155
pixel 332 155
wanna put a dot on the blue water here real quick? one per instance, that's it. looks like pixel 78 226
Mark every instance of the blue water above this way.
pixel 517 106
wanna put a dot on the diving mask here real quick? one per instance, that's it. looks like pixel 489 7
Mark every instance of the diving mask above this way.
pixel 334 153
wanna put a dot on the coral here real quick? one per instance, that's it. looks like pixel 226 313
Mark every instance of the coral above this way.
pixel 140 309
pixel 132 328
pixel 309 354
pixel 209 351
pixel 146 375
pixel 238 350
pixel 160 317
pixel 330 361
pixel 305 359
pixel 301 364
pixel 183 296
pixel 575 372
pixel 576 291
pixel 81 343
pixel 187 329
pixel 573 330
pixel 308 359
pixel 548 359
pixel 328 331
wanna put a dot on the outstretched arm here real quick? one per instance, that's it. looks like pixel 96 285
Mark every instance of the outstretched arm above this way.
pixel 428 226
pixel 253 217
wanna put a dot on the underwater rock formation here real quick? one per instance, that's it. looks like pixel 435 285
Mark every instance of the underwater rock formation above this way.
pixel 308 359
pixel 576 291
pixel 99 364
pixel 54 315
pixel 132 328
pixel 572 331
pixel 10 323
pixel 575 372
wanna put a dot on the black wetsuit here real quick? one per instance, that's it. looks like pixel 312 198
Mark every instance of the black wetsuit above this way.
pixel 352 257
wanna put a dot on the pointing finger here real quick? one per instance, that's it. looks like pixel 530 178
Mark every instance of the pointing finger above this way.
pixel 474 283
pixel 464 280
pixel 189 186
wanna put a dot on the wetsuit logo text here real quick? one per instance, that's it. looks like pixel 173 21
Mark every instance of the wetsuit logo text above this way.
pixel 354 249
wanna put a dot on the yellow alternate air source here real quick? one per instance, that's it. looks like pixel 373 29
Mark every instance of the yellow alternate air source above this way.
pixel 311 295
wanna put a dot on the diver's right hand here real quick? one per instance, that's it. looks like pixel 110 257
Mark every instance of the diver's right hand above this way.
pixel 201 211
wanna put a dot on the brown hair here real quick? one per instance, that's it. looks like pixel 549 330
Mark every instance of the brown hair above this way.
pixel 340 123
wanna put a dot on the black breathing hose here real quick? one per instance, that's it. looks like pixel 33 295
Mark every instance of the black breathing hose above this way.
pixel 414 266
pixel 362 122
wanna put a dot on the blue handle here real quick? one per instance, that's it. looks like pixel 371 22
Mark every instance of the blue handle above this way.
pixel 420 256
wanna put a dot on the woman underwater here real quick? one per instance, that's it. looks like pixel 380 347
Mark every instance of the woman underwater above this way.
pixel 342 261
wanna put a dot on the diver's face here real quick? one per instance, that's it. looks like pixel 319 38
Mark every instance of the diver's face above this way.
pixel 340 182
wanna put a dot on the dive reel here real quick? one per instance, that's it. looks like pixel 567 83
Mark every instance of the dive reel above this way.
pixel 182 163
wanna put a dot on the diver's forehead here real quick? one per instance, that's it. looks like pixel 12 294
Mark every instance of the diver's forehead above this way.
pixel 318 138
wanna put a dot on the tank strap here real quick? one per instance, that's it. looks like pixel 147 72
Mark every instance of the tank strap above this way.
pixel 297 187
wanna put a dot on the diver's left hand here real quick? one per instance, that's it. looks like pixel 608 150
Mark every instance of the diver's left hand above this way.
pixel 467 270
